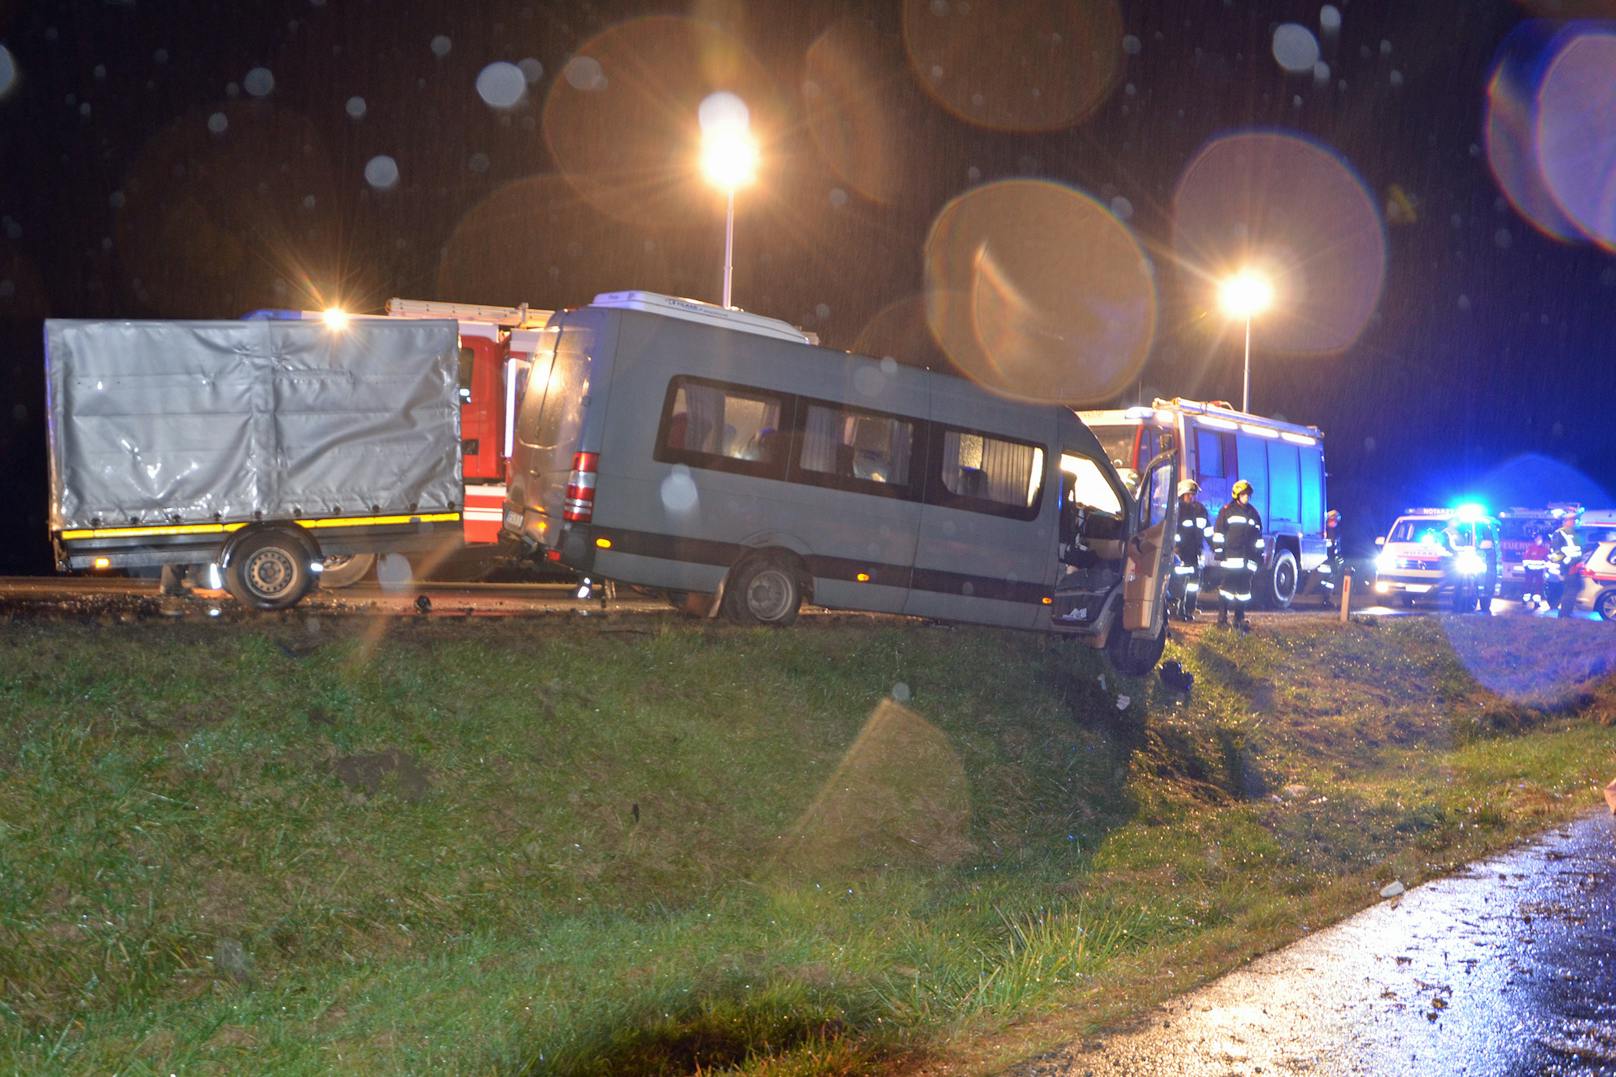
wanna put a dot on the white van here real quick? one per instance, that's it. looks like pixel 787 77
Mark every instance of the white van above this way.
pixel 702 451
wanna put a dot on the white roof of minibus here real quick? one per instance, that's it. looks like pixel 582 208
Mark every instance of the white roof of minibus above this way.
pixel 694 310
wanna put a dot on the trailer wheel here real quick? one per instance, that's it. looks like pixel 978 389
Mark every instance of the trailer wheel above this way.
pixel 763 590
pixel 345 570
pixel 1134 657
pixel 269 571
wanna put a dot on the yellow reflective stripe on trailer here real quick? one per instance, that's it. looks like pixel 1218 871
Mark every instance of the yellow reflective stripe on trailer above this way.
pixel 374 521
pixel 156 529
pixel 220 529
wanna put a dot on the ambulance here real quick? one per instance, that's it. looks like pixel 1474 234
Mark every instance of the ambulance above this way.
pixel 1432 553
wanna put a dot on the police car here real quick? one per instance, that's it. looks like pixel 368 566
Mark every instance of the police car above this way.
pixel 1440 553
pixel 1596 575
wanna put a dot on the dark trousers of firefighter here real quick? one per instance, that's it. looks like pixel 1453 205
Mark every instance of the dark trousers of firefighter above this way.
pixel 1184 590
pixel 1566 600
pixel 1234 592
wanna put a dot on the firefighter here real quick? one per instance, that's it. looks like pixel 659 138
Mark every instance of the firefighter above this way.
pixel 1194 526
pixel 1237 539
pixel 1534 563
pixel 1334 567
pixel 1565 553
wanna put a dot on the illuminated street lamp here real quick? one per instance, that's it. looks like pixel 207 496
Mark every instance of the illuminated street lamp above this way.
pixel 1245 295
pixel 729 159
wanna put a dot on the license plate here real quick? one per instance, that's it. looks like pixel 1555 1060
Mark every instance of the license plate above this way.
pixel 513 520
pixel 1416 588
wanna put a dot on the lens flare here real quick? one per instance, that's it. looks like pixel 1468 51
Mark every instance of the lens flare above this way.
pixel 1294 209
pixel 900 331
pixel 852 111
pixel 898 797
pixel 491 255
pixel 1510 135
pixel 1571 9
pixel 222 219
pixel 1035 65
pixel 1038 292
pixel 626 138
pixel 1576 131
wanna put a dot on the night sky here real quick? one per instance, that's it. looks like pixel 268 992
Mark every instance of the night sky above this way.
pixel 1451 337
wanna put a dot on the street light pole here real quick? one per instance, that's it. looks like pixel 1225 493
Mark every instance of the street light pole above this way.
pixel 729 157
pixel 729 261
pixel 1245 389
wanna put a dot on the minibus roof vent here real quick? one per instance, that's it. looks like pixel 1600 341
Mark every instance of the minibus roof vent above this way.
pixel 694 310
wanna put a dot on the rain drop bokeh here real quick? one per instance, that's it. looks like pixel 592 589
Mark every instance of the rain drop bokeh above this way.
pixel 381 172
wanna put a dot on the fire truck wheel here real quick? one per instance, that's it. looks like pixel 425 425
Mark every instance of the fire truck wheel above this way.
pixel 345 570
pixel 1605 605
pixel 763 590
pixel 269 571
pixel 1279 582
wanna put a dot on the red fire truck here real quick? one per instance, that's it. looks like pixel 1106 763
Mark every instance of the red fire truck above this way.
pixel 496 350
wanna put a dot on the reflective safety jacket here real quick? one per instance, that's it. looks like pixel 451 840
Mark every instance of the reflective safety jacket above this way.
pixel 1535 558
pixel 1564 551
pixel 1237 537
pixel 1194 528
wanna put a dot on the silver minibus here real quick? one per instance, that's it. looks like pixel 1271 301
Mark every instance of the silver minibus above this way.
pixel 722 459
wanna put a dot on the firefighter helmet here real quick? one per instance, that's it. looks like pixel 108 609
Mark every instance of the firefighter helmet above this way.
pixel 1187 487
pixel 1241 486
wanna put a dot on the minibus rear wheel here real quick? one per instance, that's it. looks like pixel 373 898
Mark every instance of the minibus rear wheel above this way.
pixel 763 590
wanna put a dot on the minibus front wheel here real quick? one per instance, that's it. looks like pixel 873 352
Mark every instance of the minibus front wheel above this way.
pixel 763 589
pixel 1135 657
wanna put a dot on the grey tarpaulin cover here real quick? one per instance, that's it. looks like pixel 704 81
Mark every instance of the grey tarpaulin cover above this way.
pixel 224 420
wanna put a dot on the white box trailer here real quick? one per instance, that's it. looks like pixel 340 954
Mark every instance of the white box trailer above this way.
pixel 260 447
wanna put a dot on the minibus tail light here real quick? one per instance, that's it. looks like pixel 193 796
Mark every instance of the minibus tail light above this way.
pixel 580 504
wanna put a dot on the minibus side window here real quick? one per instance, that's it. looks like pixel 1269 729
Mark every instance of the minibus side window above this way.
pixel 723 427
pixel 984 473
pixel 857 450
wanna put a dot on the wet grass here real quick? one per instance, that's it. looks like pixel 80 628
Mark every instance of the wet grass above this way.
pixel 666 847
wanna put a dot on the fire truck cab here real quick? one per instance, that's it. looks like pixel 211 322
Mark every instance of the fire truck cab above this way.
pixel 497 345
pixel 1516 526
pixel 1283 461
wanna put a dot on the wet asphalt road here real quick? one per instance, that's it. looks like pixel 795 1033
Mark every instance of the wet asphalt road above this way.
pixel 1507 968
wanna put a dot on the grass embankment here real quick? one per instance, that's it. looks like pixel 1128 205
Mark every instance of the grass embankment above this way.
pixel 495 847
